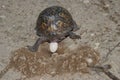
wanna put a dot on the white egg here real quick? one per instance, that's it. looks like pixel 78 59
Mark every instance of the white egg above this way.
pixel 53 46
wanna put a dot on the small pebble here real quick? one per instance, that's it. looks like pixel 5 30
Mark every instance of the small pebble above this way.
pixel 96 45
pixel 89 60
pixel 3 6
pixel 92 34
pixel 86 1
pixel 107 5
pixel 13 25
pixel 2 16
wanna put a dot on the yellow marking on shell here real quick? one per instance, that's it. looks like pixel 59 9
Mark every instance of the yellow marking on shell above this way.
pixel 60 23
pixel 49 28
pixel 63 15
pixel 43 26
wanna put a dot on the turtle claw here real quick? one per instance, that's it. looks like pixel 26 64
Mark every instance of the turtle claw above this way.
pixel 77 37
pixel 31 48
pixel 35 47
pixel 74 36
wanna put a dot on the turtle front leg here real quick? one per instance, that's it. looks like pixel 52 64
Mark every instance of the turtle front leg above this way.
pixel 35 47
pixel 74 36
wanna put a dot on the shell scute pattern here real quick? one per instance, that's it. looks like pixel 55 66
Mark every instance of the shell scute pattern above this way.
pixel 59 17
pixel 54 24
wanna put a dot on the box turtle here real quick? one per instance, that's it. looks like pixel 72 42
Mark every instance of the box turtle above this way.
pixel 54 24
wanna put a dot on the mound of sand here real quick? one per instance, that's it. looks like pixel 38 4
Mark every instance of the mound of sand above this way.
pixel 44 62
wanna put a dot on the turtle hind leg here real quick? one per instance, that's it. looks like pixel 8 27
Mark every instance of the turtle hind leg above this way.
pixel 35 47
pixel 75 26
pixel 74 36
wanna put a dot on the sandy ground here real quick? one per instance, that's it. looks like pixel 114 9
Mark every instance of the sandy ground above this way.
pixel 100 28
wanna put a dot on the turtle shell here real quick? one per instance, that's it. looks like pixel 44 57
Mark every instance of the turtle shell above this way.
pixel 54 21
